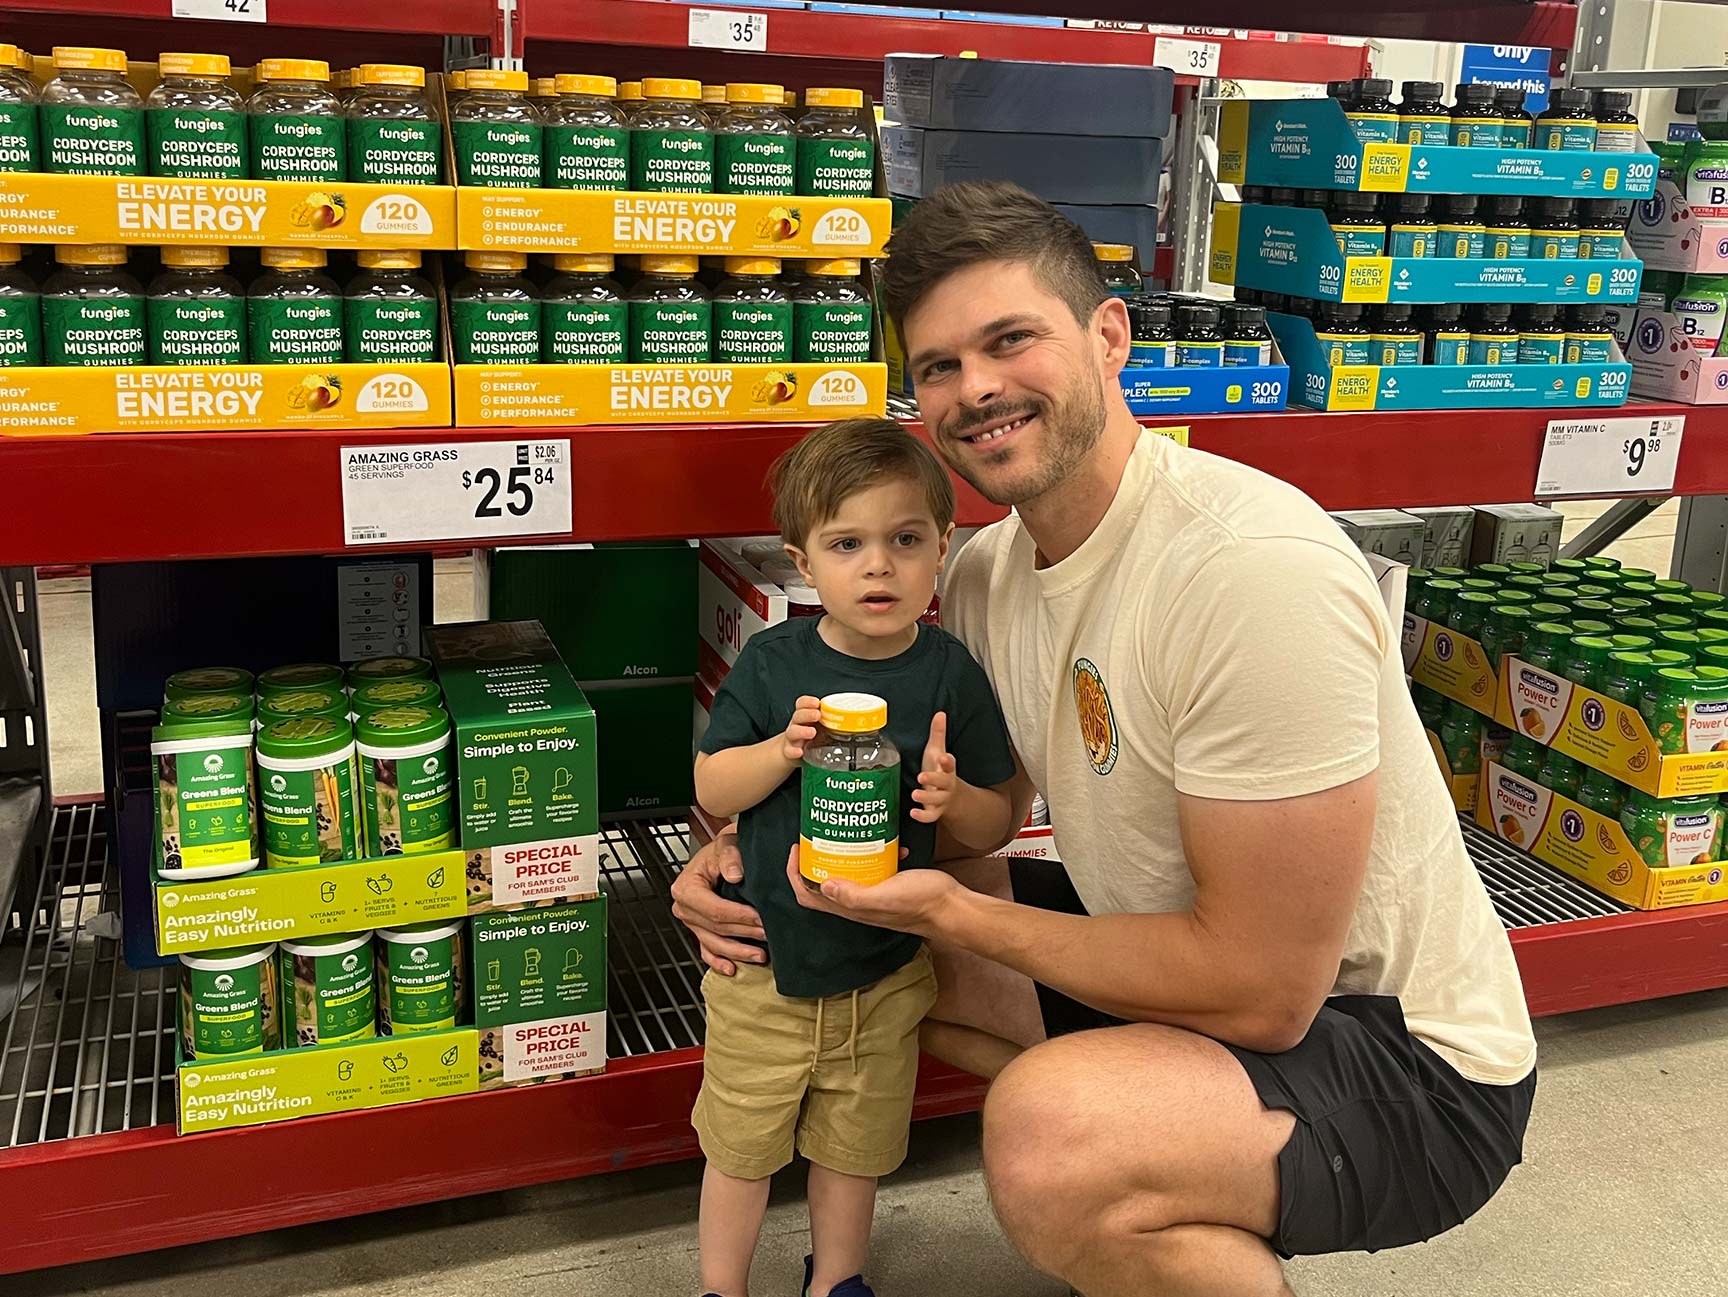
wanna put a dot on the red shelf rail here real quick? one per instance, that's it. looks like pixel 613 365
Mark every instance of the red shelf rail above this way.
pixel 423 17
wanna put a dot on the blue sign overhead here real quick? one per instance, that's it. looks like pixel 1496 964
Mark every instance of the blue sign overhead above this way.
pixel 1519 67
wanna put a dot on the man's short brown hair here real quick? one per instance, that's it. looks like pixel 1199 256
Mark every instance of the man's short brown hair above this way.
pixel 812 480
pixel 989 220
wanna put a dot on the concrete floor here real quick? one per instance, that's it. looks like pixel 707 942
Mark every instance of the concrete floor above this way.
pixel 1625 1172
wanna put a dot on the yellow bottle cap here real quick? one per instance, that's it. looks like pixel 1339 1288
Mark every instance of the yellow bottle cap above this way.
pixel 87 58
pixel 546 87
pixel 836 267
pixel 833 97
pixel 583 263
pixel 193 65
pixel 10 253
pixel 854 713
pixel 390 74
pixel 753 265
pixel 24 61
pixel 387 259
pixel 630 90
pixel 789 99
pixel 293 258
pixel 457 80
pixel 1113 251
pixel 671 88
pixel 201 255
pixel 497 79
pixel 574 83
pixel 713 94
pixel 754 92
pixel 90 254
pixel 293 70
pixel 8 55
pixel 496 260
pixel 674 267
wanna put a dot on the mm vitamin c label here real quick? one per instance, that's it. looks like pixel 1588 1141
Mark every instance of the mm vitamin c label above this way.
pixel 208 331
pixel 672 162
pixel 82 141
pixel 836 168
pixel 850 825
pixel 385 152
pixel 101 332
pixel 191 145
pixel 584 333
pixel 587 157
pixel 291 146
pixel 498 155
pixel 383 331
pixel 753 164
pixel 295 331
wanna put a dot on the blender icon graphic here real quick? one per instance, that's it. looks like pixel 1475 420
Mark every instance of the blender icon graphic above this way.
pixel 519 781
pixel 531 962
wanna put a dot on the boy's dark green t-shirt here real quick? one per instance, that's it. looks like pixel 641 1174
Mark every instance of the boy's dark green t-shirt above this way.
pixel 815 954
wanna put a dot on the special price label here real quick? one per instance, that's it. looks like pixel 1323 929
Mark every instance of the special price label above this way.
pixel 471 490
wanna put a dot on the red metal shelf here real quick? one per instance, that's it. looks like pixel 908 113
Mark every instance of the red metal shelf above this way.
pixel 864 38
pixel 427 17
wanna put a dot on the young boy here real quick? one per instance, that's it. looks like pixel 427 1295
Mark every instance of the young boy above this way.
pixel 819 1050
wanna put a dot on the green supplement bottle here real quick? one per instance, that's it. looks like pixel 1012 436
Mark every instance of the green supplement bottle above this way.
pixel 836 157
pixel 1562 774
pixel 584 319
pixel 752 314
pixel 393 667
pixel 1371 112
pixel 671 317
pixel 299 675
pixel 1503 630
pixel 1476 122
pixel 20 311
pixel 1541 339
pixel 1703 176
pixel 495 312
pixel 1430 707
pixel 294 310
pixel 200 772
pixel 92 118
pixel 753 141
pixel 20 131
pixel 419 974
pixel 849 820
pixel 1616 127
pixel 1523 757
pixel 1470 612
pixel 1545 644
pixel 671 145
pixel 328 995
pixel 194 120
pixel 586 139
pixel 390 315
pixel 1567 125
pixel 831 314
pixel 1673 830
pixel 1395 337
pixel 1461 740
pixel 306 788
pixel 393 133
pixel 294 704
pixel 497 132
pixel 295 124
pixel 196 314
pixel 1626 675
pixel 368 698
pixel 207 680
pixel 229 1003
pixel 1585 657
pixel 407 777
pixel 1423 117
pixel 92 310
pixel 1517 122
pixel 1602 793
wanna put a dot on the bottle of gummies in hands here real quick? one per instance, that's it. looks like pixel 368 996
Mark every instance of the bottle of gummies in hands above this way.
pixel 849 823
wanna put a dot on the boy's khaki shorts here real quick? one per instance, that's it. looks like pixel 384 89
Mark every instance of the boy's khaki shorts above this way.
pixel 779 1072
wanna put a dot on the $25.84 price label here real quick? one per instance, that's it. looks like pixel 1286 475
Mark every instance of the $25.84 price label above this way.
pixel 1626 455
pixel 468 490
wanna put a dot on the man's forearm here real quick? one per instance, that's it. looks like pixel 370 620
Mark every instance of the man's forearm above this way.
pixel 1162 968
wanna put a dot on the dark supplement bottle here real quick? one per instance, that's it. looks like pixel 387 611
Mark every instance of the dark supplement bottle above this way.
pixel 1589 340
pixel 196 312
pixel 671 318
pixel 92 310
pixel 1462 233
pixel 391 313
pixel 1343 336
pixel 194 120
pixel 1508 230
pixel 752 314
pixel 92 118
pixel 835 155
pixel 1356 224
pixel 1395 337
pixel 20 131
pixel 1554 229
pixel 1423 117
pixel 1476 122
pixel 1199 340
pixel 393 135
pixel 1493 337
pixel 295 126
pixel 1567 125
pixel 20 311
pixel 587 141
pixel 1411 229
pixel 494 312
pixel 1281 196
pixel 294 310
pixel 584 319
pixel 1153 345
pixel 1616 127
pixel 1371 112
pixel 1519 123
pixel 1541 339
pixel 1116 263
pixel 1601 231
pixel 1247 340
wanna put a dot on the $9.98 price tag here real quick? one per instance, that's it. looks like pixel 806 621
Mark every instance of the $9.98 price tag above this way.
pixel 1627 455
pixel 471 490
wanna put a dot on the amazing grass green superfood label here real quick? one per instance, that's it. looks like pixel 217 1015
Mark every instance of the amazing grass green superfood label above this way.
pixel 418 982
pixel 308 814
pixel 228 1011
pixel 197 331
pixel 407 802
pixel 327 997
pixel 196 144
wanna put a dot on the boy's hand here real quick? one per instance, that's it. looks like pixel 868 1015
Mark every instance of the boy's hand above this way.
pixel 806 715
pixel 937 779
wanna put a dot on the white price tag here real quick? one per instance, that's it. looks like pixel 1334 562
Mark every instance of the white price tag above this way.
pixel 1627 455
pixel 728 29
pixel 1187 58
pixel 468 490
pixel 222 11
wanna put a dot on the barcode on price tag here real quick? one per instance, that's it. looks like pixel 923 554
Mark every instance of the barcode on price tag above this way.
pixel 222 11
pixel 728 29
pixel 1627 455
pixel 471 490
pixel 1187 58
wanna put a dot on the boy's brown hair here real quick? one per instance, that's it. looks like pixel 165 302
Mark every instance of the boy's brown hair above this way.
pixel 813 479
pixel 988 220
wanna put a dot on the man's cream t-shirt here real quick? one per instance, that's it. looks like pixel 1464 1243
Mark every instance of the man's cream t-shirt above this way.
pixel 1219 636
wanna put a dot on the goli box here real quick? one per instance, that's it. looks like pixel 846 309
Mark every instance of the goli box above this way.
pixel 528 789
pixel 539 991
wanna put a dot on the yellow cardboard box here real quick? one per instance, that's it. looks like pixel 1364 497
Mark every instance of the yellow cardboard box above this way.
pixel 1452 665
pixel 554 395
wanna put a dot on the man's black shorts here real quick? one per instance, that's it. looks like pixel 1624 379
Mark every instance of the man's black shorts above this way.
pixel 1391 1146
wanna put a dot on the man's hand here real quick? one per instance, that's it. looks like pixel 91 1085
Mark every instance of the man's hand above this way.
pixel 937 780
pixel 715 922
pixel 907 902
pixel 806 716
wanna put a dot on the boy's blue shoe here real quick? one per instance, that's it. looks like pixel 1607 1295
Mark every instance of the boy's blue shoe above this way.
pixel 853 1287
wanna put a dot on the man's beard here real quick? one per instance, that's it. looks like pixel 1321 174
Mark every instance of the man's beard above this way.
pixel 1071 428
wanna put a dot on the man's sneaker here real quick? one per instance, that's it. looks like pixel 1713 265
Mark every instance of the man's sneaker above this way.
pixel 853 1287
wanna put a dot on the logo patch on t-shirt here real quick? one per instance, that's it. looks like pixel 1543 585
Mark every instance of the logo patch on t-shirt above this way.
pixel 1097 721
